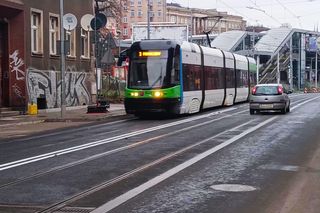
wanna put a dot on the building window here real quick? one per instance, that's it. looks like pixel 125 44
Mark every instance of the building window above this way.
pixel 139 2
pixel 125 31
pixel 125 19
pixel 159 13
pixel 54 33
pixel 173 19
pixel 85 44
pixel 36 31
pixel 132 2
pixel 139 13
pixel 132 13
pixel 159 1
pixel 71 38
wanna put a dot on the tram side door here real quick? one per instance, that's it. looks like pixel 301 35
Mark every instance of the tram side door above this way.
pixel 4 65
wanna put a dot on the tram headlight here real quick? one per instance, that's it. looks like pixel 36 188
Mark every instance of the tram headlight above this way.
pixel 158 94
pixel 134 94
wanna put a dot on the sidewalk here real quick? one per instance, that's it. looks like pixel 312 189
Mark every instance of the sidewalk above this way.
pixel 50 119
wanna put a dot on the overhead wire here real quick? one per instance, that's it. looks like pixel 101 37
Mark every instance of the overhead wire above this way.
pixel 265 12
pixel 287 9
pixel 239 13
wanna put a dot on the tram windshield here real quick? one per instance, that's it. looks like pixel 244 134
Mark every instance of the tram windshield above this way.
pixel 151 69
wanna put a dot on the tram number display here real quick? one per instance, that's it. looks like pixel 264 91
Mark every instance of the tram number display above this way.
pixel 149 54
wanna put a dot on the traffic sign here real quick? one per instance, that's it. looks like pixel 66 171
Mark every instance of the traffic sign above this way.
pixel 100 20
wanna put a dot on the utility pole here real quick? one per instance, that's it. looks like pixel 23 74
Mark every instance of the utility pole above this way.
pixel 316 71
pixel 148 21
pixel 62 65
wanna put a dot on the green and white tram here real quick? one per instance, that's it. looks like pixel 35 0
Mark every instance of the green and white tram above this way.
pixel 165 76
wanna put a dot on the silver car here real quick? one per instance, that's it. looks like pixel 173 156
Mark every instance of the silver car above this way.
pixel 265 97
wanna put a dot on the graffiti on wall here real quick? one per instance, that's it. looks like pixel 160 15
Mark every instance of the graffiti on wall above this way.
pixel 48 84
pixel 15 65
pixel 17 90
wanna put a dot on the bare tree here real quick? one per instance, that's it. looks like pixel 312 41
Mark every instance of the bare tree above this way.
pixel 112 9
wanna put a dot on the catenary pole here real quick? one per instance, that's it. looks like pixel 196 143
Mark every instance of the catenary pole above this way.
pixel 62 54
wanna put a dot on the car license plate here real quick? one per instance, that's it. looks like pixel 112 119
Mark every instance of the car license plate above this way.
pixel 266 106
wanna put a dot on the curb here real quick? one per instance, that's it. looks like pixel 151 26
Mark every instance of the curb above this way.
pixel 22 123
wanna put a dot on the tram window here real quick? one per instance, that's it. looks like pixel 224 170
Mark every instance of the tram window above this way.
pixel 176 71
pixel 214 78
pixel 191 77
pixel 230 78
pixel 242 78
pixel 142 74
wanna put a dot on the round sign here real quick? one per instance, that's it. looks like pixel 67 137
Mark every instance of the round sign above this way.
pixel 85 22
pixel 69 21
pixel 99 21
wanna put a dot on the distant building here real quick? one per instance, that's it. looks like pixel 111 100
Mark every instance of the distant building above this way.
pixel 135 11
pixel 29 54
pixel 200 20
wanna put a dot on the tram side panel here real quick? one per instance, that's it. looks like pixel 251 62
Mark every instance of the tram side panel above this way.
pixel 191 75
pixel 242 78
pixel 229 78
pixel 213 77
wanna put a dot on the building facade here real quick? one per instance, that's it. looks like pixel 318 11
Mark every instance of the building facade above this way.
pixel 29 53
pixel 136 11
pixel 200 20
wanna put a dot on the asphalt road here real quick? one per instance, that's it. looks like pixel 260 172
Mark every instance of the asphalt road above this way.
pixel 221 160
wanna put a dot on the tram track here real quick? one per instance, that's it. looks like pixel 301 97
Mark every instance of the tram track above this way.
pixel 138 170
pixel 220 138
pixel 114 151
pixel 124 176
pixel 120 149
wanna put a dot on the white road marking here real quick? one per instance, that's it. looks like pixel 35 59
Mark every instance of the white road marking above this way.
pixel 147 185
pixel 156 180
pixel 25 161
pixel 233 188
pixel 288 168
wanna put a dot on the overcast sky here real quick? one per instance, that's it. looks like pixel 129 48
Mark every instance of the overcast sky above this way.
pixel 302 14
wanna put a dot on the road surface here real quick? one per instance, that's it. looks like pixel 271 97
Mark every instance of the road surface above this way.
pixel 220 160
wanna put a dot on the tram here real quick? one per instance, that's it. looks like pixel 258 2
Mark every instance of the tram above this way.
pixel 185 78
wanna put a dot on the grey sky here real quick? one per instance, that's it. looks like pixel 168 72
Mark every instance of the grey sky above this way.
pixel 303 14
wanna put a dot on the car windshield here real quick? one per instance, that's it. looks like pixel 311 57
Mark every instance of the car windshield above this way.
pixel 267 90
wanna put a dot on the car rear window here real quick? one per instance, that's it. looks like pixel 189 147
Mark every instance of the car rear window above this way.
pixel 267 90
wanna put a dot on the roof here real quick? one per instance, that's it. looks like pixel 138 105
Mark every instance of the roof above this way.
pixel 273 39
pixel 227 40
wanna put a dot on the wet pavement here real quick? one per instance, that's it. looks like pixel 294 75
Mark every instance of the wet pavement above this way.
pixel 50 120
